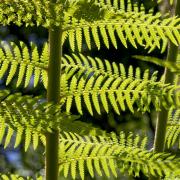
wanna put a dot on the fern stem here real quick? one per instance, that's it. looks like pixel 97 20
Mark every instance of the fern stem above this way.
pixel 53 95
pixel 162 116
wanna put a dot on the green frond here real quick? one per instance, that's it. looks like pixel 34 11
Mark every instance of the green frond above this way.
pixel 173 129
pixel 101 91
pixel 111 154
pixel 147 30
pixel 35 64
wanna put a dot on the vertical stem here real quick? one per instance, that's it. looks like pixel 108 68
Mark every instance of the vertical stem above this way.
pixel 53 94
pixel 162 116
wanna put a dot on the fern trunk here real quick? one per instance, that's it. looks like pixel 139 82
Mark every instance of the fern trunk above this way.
pixel 162 116
pixel 53 95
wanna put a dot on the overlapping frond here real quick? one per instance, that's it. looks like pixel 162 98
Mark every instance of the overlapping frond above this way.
pixel 30 116
pixel 173 129
pixel 34 117
pixel 108 155
pixel 99 92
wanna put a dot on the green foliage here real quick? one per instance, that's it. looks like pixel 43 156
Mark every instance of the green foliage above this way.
pixel 77 20
pixel 34 117
pixel 90 83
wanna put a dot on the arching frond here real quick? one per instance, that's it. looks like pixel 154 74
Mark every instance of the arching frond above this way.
pixel 173 129
pixel 97 92
pixel 109 155
pixel 147 30
pixel 15 60
pixel 86 65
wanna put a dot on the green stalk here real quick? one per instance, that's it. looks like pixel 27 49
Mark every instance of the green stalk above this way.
pixel 162 116
pixel 53 95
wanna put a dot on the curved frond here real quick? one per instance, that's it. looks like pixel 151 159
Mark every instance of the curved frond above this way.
pixel 108 155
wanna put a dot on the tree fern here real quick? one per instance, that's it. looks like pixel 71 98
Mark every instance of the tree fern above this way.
pixel 82 79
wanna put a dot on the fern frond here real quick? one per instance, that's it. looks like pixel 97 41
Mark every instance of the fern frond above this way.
pixel 173 129
pixel 35 64
pixel 137 28
pixel 111 154
pixel 117 92
pixel 18 60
